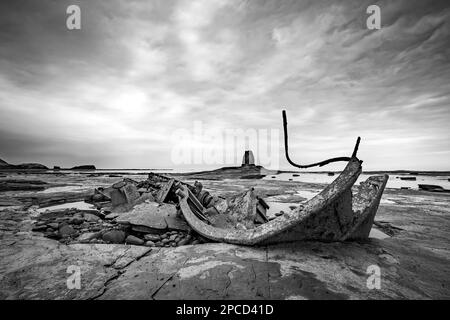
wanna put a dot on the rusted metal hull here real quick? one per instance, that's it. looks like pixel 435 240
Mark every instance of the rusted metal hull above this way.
pixel 333 215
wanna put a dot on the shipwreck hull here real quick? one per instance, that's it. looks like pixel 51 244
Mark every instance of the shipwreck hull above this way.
pixel 332 215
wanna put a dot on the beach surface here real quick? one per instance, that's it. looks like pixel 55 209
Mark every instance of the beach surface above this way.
pixel 409 244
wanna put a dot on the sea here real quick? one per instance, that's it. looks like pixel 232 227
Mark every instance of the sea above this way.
pixel 395 180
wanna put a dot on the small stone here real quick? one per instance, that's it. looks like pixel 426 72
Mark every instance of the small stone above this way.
pixel 134 240
pixel 66 230
pixel 53 225
pixel 114 236
pixel 165 235
pixel 152 237
pixel 89 217
pixel 150 244
pixel 184 241
pixel 86 237
pixel 39 228
pixel 76 220
pixel 165 240
pixel 172 237
pixel 173 244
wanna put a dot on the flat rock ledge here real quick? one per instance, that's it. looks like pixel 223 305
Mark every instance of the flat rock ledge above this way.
pixel 34 267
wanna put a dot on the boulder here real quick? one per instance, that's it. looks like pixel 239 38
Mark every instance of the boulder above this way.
pixel 114 236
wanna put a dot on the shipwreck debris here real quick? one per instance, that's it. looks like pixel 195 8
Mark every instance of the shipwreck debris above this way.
pixel 333 215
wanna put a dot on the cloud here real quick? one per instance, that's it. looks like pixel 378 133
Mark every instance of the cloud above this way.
pixel 114 92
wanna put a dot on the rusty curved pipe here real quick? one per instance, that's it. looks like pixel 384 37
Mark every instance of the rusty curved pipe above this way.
pixel 320 164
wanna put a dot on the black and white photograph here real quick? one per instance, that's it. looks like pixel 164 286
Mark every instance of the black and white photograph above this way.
pixel 224 150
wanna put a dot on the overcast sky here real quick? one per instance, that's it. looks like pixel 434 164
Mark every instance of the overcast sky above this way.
pixel 112 93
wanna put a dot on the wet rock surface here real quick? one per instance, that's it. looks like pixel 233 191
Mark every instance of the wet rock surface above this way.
pixel 177 264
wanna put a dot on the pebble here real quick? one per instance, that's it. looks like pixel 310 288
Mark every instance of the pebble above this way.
pixel 134 240
pixel 66 230
pixel 184 241
pixel 165 240
pixel 89 217
pixel 86 237
pixel 76 220
pixel 152 237
pixel 150 244
pixel 53 225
